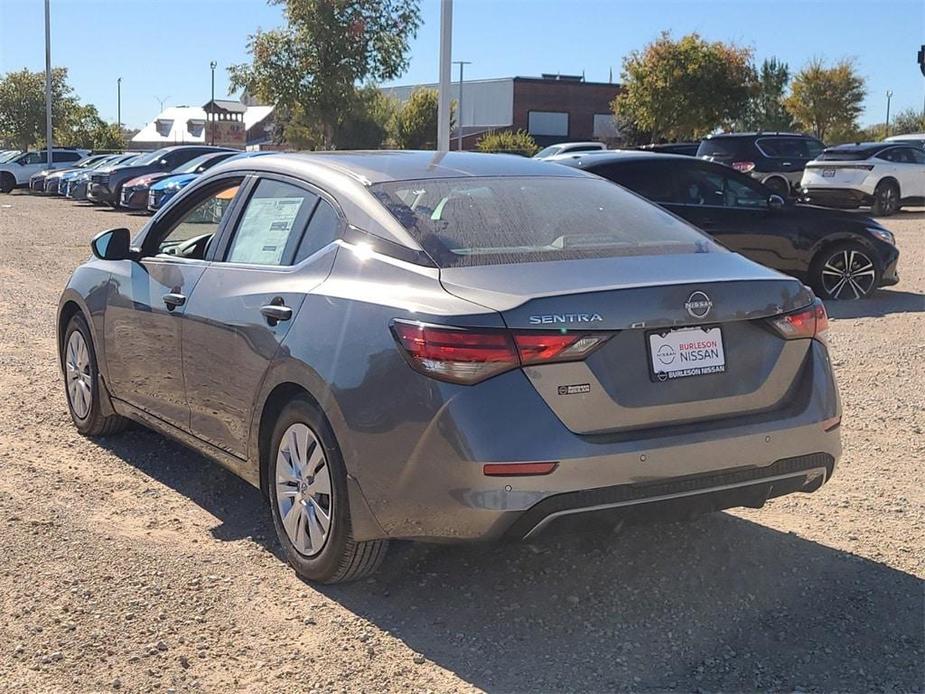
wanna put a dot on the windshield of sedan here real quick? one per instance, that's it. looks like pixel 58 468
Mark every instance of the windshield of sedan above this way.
pixel 144 159
pixel 201 163
pixel 548 151
pixel 486 221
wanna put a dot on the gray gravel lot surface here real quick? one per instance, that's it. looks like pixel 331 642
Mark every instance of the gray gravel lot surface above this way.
pixel 131 563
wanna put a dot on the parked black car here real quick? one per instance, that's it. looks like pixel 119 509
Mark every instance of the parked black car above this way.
pixel 106 187
pixel 135 191
pixel 775 159
pixel 842 255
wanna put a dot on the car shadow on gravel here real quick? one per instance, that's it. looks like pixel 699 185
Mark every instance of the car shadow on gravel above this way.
pixel 881 303
pixel 719 603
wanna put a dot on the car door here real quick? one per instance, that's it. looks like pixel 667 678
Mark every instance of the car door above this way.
pixel 735 210
pixel 276 251
pixel 147 303
pixel 917 172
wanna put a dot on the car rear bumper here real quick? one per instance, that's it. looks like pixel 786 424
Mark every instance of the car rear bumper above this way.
pixel 442 494
pixel 836 197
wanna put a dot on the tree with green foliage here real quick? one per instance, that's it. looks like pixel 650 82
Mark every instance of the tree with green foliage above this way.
pixel 827 99
pixel 684 89
pixel 909 121
pixel 22 105
pixel 83 127
pixel 508 142
pixel 369 121
pixel 416 120
pixel 765 109
pixel 310 68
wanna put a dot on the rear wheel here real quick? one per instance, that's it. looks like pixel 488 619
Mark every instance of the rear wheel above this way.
pixel 81 381
pixel 308 499
pixel 7 182
pixel 845 271
pixel 886 199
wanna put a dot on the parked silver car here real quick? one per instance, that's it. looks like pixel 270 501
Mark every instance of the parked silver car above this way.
pixel 448 347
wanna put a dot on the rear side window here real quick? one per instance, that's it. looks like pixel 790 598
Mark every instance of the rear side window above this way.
pixel 651 181
pixel 789 147
pixel 723 148
pixel 271 223
pixel 322 229
pixel 65 156
pixel 500 220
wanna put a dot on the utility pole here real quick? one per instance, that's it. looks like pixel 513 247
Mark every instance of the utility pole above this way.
pixel 446 52
pixel 161 102
pixel 49 144
pixel 119 103
pixel 212 65
pixel 889 96
pixel 459 111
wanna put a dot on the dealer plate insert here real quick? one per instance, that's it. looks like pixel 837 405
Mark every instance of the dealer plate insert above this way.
pixel 684 352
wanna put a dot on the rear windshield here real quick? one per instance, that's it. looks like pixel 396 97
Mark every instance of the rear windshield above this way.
pixel 846 154
pixel 722 148
pixel 490 221
pixel 789 147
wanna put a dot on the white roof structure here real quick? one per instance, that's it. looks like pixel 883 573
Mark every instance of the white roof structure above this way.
pixel 186 125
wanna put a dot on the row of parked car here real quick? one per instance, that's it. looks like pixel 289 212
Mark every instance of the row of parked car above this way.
pixel 881 175
pixel 131 180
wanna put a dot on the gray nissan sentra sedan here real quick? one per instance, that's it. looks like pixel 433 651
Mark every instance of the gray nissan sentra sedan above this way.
pixel 446 348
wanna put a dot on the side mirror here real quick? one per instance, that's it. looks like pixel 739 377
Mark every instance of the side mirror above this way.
pixel 113 244
pixel 776 202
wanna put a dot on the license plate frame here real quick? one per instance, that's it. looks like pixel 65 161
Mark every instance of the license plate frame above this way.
pixel 702 336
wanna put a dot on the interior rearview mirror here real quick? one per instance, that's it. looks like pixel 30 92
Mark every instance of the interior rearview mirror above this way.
pixel 112 244
pixel 775 202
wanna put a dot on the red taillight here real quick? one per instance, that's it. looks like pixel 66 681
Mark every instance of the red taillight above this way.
pixel 808 322
pixel 517 469
pixel 470 355
pixel 743 166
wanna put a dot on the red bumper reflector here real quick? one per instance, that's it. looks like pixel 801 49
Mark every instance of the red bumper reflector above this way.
pixel 517 469
pixel 831 423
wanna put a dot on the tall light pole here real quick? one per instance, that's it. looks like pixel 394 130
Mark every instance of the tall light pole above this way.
pixel 119 103
pixel 212 65
pixel 889 96
pixel 48 134
pixel 459 111
pixel 446 52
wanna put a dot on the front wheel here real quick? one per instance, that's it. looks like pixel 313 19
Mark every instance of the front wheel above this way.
pixel 778 186
pixel 82 384
pixel 7 182
pixel 845 271
pixel 886 199
pixel 308 500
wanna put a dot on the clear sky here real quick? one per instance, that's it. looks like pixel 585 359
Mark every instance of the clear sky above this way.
pixel 162 49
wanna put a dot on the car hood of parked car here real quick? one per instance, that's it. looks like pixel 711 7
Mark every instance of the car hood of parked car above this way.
pixel 145 179
pixel 175 181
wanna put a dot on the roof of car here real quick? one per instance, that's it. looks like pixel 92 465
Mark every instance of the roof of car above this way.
pixel 717 136
pixel 583 160
pixel 380 166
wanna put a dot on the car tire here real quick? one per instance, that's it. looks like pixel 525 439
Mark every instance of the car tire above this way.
pixel 886 199
pixel 307 485
pixel 845 271
pixel 779 186
pixel 7 182
pixel 82 382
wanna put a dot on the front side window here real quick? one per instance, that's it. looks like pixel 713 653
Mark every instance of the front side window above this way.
pixel 189 236
pixel 33 158
pixel 705 187
pixel 485 221
pixel 271 223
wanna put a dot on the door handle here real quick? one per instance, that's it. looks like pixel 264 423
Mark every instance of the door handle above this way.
pixel 173 300
pixel 276 312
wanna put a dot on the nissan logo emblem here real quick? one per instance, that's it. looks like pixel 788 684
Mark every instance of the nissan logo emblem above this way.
pixel 698 305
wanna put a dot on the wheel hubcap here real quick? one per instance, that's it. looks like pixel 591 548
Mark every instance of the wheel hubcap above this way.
pixel 79 379
pixel 887 198
pixel 848 275
pixel 303 489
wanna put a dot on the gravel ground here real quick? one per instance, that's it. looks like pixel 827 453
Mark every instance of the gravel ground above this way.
pixel 131 563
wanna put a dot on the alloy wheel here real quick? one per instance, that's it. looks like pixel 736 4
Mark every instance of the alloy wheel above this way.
pixel 303 489
pixel 79 377
pixel 848 274
pixel 887 199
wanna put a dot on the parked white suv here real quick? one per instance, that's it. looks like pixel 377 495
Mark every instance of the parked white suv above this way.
pixel 884 175
pixel 17 171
